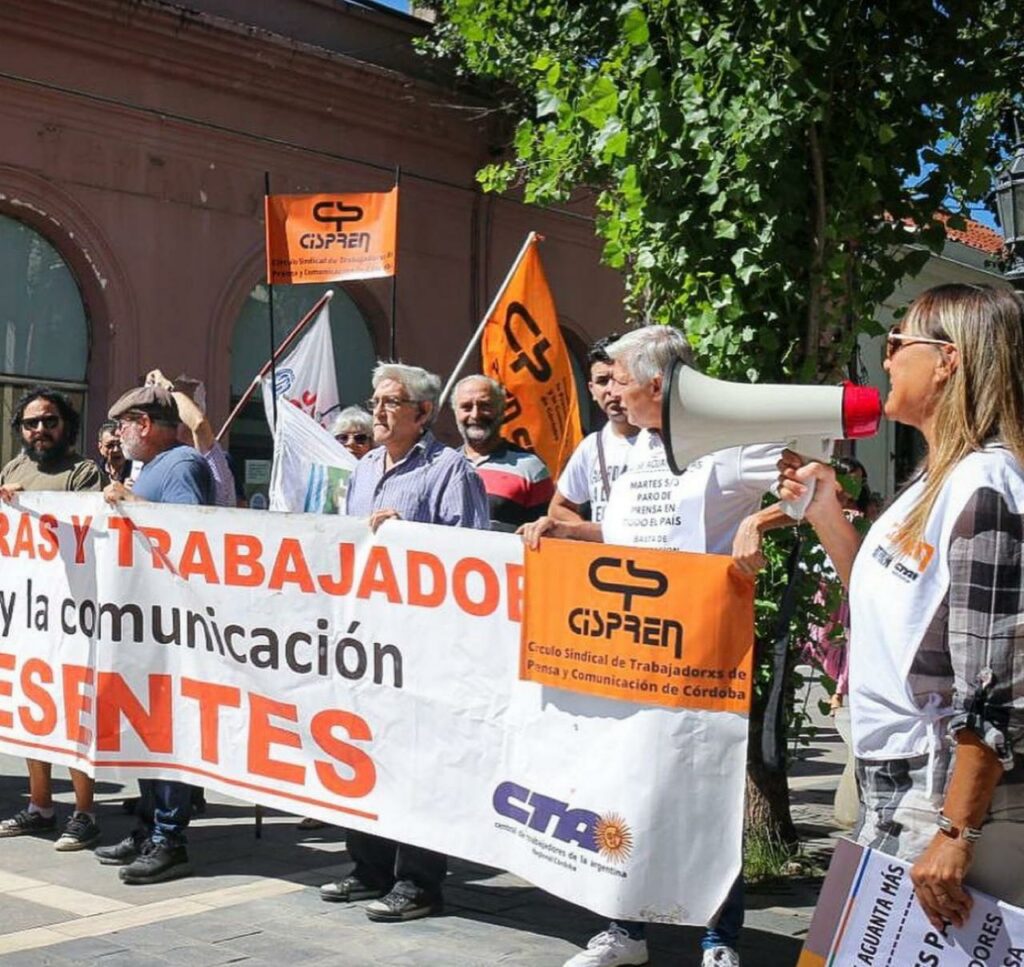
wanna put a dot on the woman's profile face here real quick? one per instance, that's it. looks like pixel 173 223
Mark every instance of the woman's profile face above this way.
pixel 917 372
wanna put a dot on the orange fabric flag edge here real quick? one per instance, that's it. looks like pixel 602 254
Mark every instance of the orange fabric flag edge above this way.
pixel 523 349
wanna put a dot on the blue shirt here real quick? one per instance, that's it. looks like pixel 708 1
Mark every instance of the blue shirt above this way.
pixel 176 476
pixel 431 484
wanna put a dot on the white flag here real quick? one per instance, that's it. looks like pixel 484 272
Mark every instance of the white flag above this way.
pixel 306 376
pixel 311 469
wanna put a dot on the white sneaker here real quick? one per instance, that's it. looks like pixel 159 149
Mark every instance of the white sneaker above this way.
pixel 721 957
pixel 610 948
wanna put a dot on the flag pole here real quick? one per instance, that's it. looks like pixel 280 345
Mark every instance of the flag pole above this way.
pixel 461 364
pixel 393 347
pixel 270 363
pixel 270 300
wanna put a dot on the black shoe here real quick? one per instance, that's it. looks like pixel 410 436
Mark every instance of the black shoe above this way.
pixel 156 863
pixel 80 832
pixel 396 907
pixel 349 889
pixel 123 853
pixel 27 823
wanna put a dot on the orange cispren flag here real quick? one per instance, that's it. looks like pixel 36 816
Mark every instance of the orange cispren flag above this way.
pixel 523 349
pixel 656 627
pixel 330 238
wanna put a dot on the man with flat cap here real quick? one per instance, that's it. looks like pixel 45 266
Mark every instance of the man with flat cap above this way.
pixel 148 421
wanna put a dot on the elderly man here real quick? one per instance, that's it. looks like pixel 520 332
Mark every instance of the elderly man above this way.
pixel 48 427
pixel 602 456
pixel 171 474
pixel 113 465
pixel 711 509
pixel 409 476
pixel 517 482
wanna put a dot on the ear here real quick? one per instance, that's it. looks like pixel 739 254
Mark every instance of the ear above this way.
pixel 655 385
pixel 425 413
pixel 949 362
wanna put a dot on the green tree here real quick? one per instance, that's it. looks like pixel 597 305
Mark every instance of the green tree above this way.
pixel 756 165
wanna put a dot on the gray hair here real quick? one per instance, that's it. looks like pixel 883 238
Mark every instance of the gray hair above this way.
pixel 495 388
pixel 648 351
pixel 423 387
pixel 352 418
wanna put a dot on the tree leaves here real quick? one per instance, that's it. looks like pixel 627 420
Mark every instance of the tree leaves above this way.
pixel 692 117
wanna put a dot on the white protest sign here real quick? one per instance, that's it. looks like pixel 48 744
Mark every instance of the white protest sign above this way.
pixel 365 680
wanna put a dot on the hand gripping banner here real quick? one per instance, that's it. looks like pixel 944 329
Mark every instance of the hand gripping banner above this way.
pixel 370 681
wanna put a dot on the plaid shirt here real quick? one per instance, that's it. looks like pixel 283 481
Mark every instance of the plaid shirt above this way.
pixel 972 655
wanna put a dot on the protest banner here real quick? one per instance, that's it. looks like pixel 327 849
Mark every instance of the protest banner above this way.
pixel 311 469
pixel 306 377
pixel 867 916
pixel 328 238
pixel 370 681
pixel 638 625
pixel 523 349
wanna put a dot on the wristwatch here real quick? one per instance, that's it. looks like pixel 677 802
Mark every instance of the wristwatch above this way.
pixel 969 834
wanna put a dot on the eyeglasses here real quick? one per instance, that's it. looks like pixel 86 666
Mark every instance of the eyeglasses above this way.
pixel 35 422
pixel 129 418
pixel 359 438
pixel 896 340
pixel 390 403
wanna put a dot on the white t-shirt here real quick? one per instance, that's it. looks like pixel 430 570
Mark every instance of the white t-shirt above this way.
pixel 698 511
pixel 894 597
pixel 581 480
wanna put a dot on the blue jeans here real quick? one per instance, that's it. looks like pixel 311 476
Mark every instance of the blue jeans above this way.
pixel 724 932
pixel 165 808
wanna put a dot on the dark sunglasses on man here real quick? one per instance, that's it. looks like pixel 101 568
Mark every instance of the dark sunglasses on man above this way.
pixel 359 438
pixel 34 423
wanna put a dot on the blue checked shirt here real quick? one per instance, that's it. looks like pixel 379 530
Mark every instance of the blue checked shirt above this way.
pixel 432 484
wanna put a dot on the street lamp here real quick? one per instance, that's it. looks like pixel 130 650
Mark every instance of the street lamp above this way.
pixel 1009 192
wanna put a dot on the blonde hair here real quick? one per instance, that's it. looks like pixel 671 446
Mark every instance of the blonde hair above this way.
pixel 983 399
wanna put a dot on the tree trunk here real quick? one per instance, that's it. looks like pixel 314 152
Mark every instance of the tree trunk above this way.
pixel 767 809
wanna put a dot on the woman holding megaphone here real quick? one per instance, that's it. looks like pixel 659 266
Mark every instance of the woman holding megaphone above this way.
pixel 937 605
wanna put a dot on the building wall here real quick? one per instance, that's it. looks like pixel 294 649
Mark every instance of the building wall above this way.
pixel 136 137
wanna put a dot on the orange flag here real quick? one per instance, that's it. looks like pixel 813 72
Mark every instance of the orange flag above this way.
pixel 650 626
pixel 330 238
pixel 523 349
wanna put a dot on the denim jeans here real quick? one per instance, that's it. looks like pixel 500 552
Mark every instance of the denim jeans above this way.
pixel 165 808
pixel 724 932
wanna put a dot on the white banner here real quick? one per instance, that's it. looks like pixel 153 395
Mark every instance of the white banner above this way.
pixel 306 376
pixel 369 681
pixel 311 469
pixel 867 913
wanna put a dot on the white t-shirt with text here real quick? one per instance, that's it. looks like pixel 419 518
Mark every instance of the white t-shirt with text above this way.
pixel 701 509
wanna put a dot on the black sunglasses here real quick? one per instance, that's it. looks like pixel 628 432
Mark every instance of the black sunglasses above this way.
pixel 34 422
pixel 354 437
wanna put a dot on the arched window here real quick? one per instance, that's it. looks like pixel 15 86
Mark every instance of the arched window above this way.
pixel 44 328
pixel 354 359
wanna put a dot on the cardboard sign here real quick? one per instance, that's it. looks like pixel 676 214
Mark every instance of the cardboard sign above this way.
pixel 658 627
pixel 523 349
pixel 867 914
pixel 331 238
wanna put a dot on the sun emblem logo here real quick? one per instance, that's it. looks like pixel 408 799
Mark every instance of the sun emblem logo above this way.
pixel 614 838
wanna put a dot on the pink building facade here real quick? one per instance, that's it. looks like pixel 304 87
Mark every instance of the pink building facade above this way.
pixel 136 137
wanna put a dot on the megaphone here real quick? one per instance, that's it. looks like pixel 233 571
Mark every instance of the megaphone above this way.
pixel 700 415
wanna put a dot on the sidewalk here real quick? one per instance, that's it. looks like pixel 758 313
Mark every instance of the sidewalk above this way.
pixel 254 901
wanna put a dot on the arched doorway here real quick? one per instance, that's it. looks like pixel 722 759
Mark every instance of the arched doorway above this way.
pixel 44 326
pixel 354 358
